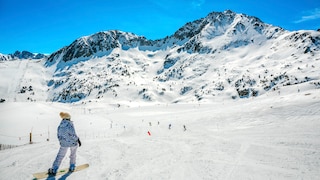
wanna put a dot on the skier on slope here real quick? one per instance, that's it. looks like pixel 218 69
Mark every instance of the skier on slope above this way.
pixel 68 139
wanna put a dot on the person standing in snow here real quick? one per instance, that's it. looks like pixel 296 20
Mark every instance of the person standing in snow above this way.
pixel 68 139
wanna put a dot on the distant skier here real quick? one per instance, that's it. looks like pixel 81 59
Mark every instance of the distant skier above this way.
pixel 169 126
pixel 184 128
pixel 68 139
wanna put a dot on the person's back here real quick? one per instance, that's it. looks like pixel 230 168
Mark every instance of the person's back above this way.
pixel 66 134
pixel 68 139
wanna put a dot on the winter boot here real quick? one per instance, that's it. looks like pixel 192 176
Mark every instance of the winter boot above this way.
pixel 72 167
pixel 52 171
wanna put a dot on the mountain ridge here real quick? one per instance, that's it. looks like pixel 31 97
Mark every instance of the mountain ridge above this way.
pixel 225 55
pixel 107 40
pixel 21 55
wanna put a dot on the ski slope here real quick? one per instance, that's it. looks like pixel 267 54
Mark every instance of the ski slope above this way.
pixel 269 137
pixel 247 93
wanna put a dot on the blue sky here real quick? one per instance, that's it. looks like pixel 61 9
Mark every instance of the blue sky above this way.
pixel 45 26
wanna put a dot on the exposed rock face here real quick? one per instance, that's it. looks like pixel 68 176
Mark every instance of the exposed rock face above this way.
pixel 21 55
pixel 222 55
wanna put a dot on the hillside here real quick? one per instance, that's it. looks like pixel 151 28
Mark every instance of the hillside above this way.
pixel 224 55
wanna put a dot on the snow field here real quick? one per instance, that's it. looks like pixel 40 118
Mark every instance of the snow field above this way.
pixel 262 138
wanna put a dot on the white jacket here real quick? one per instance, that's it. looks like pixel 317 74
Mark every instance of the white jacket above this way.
pixel 66 134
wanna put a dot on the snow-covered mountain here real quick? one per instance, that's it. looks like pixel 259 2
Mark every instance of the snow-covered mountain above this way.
pixel 21 55
pixel 191 37
pixel 224 55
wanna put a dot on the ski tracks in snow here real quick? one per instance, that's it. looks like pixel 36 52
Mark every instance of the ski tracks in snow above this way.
pixel 15 84
pixel 140 158
pixel 28 157
pixel 261 144
pixel 238 161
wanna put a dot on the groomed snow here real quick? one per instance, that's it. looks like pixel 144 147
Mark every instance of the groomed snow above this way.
pixel 270 137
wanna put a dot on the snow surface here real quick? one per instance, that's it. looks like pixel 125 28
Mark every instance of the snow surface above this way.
pixel 268 137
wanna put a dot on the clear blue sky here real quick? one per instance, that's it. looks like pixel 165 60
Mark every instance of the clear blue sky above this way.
pixel 45 26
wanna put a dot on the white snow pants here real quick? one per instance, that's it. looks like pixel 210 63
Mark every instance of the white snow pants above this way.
pixel 62 152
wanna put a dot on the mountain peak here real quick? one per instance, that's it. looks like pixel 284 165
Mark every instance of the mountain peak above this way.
pixel 22 55
pixel 102 42
pixel 222 30
pixel 224 54
pixel 215 32
pixel 227 23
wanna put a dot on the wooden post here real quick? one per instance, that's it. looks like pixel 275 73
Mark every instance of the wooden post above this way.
pixel 30 138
